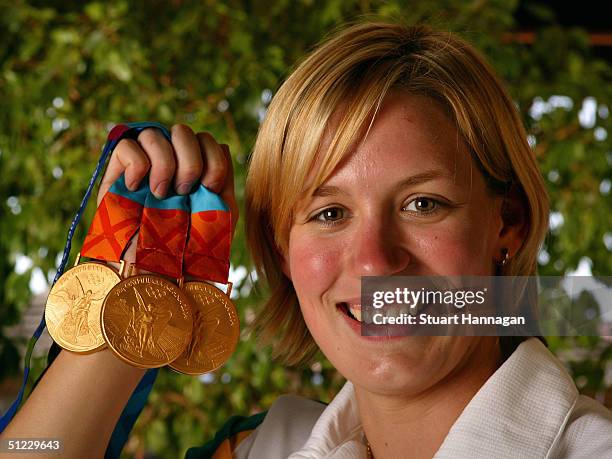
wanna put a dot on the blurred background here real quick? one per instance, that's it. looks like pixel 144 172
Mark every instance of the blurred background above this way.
pixel 70 70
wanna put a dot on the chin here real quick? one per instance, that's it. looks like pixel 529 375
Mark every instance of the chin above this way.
pixel 405 366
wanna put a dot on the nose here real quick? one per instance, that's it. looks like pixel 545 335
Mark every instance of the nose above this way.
pixel 379 249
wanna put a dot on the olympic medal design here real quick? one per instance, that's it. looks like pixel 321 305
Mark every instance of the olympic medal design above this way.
pixel 147 321
pixel 216 330
pixel 72 313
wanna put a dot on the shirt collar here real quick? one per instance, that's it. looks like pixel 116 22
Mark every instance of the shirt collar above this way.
pixel 521 410
pixel 337 433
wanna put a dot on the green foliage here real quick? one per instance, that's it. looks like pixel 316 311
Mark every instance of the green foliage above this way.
pixel 69 70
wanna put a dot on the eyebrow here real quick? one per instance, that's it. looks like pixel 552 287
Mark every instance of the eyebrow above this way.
pixel 417 179
pixel 422 177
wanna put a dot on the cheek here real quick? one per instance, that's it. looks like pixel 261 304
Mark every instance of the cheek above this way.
pixel 314 263
pixel 456 248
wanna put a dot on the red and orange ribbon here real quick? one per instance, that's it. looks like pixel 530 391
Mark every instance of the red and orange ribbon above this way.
pixel 179 235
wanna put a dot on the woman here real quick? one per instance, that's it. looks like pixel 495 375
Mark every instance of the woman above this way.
pixel 389 151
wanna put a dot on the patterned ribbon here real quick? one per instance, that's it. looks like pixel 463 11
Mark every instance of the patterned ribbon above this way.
pixel 208 246
pixel 116 221
pixel 163 235
pixel 162 222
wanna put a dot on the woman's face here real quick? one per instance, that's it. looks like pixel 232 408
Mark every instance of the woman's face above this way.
pixel 408 201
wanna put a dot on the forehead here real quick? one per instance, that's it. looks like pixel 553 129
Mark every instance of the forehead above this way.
pixel 409 134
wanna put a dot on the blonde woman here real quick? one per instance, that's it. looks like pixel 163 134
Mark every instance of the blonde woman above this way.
pixel 389 151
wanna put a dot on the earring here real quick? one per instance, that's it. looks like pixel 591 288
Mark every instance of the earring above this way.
pixel 505 255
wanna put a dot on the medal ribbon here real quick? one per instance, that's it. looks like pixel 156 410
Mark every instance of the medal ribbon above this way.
pixel 116 221
pixel 163 226
pixel 163 234
pixel 208 246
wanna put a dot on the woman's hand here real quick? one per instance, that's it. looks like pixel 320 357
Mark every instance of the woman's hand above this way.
pixel 181 164
pixel 189 159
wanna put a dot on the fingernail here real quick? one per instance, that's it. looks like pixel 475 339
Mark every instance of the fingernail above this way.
pixel 184 188
pixel 160 189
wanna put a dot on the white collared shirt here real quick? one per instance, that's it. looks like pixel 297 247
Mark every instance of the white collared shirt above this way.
pixel 529 408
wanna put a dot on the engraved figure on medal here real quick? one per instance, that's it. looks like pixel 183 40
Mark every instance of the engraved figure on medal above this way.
pixel 201 324
pixel 151 324
pixel 75 322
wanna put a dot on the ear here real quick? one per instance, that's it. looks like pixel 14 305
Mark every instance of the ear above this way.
pixel 514 223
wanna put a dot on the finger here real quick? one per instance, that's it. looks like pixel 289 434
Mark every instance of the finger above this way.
pixel 127 158
pixel 163 163
pixel 189 162
pixel 215 163
pixel 228 193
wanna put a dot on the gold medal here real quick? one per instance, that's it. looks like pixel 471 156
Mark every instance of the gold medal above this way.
pixel 73 307
pixel 216 330
pixel 147 321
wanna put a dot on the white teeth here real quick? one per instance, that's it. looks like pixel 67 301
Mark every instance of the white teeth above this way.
pixel 356 311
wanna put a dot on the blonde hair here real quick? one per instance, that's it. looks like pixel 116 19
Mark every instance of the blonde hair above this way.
pixel 351 73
